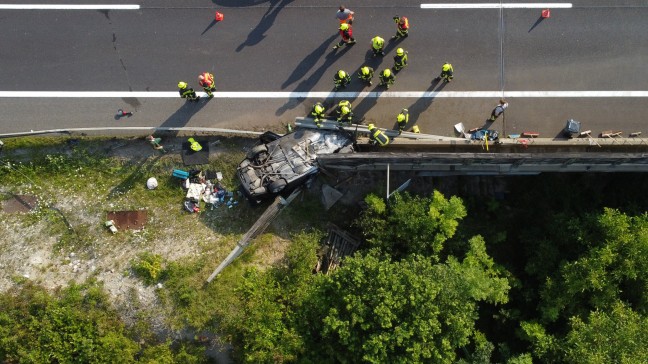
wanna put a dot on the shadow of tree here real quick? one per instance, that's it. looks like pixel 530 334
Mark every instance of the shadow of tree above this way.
pixel 258 33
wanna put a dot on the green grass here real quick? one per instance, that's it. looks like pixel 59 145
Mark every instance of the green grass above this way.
pixel 78 183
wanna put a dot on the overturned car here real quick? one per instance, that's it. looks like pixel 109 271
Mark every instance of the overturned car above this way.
pixel 282 163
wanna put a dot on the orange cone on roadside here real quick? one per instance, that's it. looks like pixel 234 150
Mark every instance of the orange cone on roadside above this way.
pixel 546 13
pixel 219 16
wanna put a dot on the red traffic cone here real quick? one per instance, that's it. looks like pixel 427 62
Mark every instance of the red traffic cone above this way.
pixel 546 13
pixel 219 16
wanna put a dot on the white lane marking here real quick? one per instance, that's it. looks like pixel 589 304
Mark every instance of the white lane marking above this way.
pixel 67 7
pixel 498 6
pixel 323 95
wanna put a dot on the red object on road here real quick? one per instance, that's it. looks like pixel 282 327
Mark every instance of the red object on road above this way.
pixel 546 13
pixel 219 16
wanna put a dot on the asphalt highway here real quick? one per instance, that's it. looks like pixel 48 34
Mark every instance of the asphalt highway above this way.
pixel 278 50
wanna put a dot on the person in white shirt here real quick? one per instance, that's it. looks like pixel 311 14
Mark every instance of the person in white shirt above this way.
pixel 498 110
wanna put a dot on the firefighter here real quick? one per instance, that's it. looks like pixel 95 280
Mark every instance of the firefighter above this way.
pixel 377 46
pixel 341 79
pixel 377 136
pixel 387 78
pixel 402 119
pixel 187 92
pixel 194 145
pixel 345 114
pixel 366 74
pixel 206 80
pixel 400 60
pixel 344 15
pixel 346 31
pixel 402 27
pixel 318 113
pixel 446 72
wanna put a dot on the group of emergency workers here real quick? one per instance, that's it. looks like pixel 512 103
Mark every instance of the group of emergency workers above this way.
pixel 205 80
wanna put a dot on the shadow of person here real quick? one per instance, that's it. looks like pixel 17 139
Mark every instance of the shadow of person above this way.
pixel 366 104
pixel 423 103
pixel 258 33
pixel 142 169
pixel 239 3
pixel 308 62
pixel 181 117
pixel 311 81
pixel 391 44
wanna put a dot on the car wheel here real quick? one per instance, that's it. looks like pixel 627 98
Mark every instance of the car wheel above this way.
pixel 256 150
pixel 277 185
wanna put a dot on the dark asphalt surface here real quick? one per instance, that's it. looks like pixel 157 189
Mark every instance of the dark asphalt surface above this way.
pixel 284 45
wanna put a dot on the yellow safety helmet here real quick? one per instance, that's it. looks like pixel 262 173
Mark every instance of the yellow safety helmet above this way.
pixel 447 66
pixel 345 110
pixel 182 84
pixel 364 70
pixel 371 127
pixel 319 108
pixel 387 72
pixel 344 26
pixel 400 51
pixel 341 74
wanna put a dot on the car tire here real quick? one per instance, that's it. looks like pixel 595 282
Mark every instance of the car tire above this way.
pixel 277 185
pixel 256 150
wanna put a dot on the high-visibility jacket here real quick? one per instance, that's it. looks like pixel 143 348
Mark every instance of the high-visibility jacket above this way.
pixel 186 92
pixel 318 114
pixel 366 73
pixel 208 81
pixel 377 43
pixel 346 34
pixel 194 145
pixel 342 80
pixel 400 61
pixel 403 23
pixel 379 137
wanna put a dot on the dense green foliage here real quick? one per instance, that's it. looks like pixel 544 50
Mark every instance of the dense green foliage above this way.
pixel 377 311
pixel 75 325
pixel 411 224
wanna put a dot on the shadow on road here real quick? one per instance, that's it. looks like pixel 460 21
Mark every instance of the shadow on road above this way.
pixel 213 22
pixel 308 62
pixel 422 104
pixel 258 33
pixel 361 109
pixel 181 117
pixel 239 3
pixel 540 19
pixel 311 81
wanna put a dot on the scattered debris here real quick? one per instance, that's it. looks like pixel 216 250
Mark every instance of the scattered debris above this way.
pixel 330 196
pixel 151 183
pixel 339 244
pixel 111 226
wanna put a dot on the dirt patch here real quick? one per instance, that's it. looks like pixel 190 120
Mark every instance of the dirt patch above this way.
pixel 128 219
pixel 19 204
